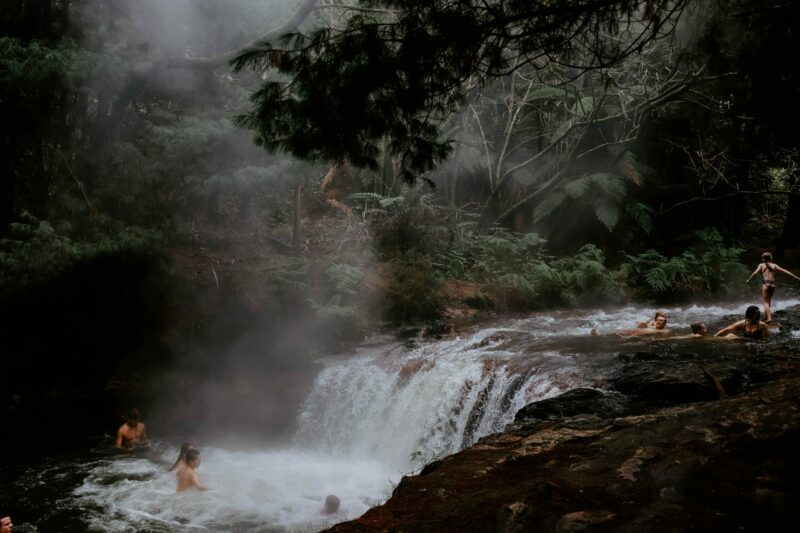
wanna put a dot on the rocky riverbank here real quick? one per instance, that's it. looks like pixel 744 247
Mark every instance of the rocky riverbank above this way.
pixel 692 435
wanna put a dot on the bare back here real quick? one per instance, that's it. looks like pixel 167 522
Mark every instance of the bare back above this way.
pixel 767 270
pixel 187 479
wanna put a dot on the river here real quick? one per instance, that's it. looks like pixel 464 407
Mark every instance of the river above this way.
pixel 370 417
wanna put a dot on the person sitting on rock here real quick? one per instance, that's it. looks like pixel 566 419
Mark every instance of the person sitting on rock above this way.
pixel 751 327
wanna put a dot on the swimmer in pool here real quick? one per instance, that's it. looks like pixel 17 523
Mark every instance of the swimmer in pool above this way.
pixel 132 433
pixel 751 327
pixel 181 461
pixel 652 323
pixel 659 328
pixel 187 476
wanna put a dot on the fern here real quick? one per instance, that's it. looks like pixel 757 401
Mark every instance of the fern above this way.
pixel 546 207
pixel 607 213
pixel 345 278
pixel 577 188
pixel 548 93
pixel 640 214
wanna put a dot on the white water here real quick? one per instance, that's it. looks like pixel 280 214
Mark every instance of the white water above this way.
pixel 372 416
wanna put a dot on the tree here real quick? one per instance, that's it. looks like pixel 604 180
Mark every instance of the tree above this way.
pixel 396 71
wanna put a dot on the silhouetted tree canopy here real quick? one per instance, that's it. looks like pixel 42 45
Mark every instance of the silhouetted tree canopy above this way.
pixel 395 71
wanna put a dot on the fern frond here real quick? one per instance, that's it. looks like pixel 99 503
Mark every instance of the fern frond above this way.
pixel 607 213
pixel 640 214
pixel 609 183
pixel 577 188
pixel 546 207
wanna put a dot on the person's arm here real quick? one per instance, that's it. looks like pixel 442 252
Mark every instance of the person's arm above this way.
pixel 119 437
pixel 144 434
pixel 779 269
pixel 196 482
pixel 730 329
pixel 756 271
pixel 764 331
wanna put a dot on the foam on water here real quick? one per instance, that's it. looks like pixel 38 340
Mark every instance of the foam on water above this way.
pixel 372 416
pixel 281 490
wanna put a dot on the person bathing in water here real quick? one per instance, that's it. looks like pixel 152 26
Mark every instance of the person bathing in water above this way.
pixel 652 323
pixel 187 476
pixel 767 269
pixel 181 461
pixel 659 328
pixel 752 327
pixel 132 433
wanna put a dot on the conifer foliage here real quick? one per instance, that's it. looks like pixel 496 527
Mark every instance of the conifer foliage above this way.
pixel 397 70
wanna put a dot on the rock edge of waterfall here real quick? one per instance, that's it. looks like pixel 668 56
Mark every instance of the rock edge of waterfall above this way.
pixel 675 441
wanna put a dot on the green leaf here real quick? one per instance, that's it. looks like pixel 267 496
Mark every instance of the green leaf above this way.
pixel 546 207
pixel 607 213
pixel 577 188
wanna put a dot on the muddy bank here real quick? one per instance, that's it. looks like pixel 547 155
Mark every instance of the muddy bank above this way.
pixel 682 437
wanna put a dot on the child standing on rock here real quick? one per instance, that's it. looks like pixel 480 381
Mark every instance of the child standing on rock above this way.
pixel 767 269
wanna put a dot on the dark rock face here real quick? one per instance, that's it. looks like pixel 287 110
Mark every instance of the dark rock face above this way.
pixel 679 442
pixel 572 403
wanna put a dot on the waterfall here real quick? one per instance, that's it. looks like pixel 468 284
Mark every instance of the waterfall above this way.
pixel 394 404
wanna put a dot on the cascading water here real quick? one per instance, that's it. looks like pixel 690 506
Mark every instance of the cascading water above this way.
pixel 391 405
pixel 370 417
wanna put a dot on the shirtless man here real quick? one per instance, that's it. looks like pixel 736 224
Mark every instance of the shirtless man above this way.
pixel 187 476
pixel 132 433
pixel 768 269
pixel 659 328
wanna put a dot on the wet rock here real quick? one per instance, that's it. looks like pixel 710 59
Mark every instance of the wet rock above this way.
pixel 684 380
pixel 572 403
pixel 701 440
pixel 724 465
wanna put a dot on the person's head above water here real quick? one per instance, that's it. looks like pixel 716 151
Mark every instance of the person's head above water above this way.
pixel 660 313
pixel 193 457
pixel 766 256
pixel 661 322
pixel 331 504
pixel 753 314
pixel 185 447
pixel 698 328
pixel 6 524
pixel 133 417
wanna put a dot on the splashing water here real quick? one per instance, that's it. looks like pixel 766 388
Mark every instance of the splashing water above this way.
pixel 370 417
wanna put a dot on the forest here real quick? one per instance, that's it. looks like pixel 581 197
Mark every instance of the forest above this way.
pixel 192 191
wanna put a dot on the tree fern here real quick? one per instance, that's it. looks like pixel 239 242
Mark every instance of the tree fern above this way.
pixel 639 213
pixel 607 213
pixel 577 188
pixel 550 203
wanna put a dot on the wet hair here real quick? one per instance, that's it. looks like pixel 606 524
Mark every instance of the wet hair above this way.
pixel 331 503
pixel 753 313
pixel 766 256
pixel 134 415
pixel 185 447
pixel 192 454
pixel 659 313
pixel 697 327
